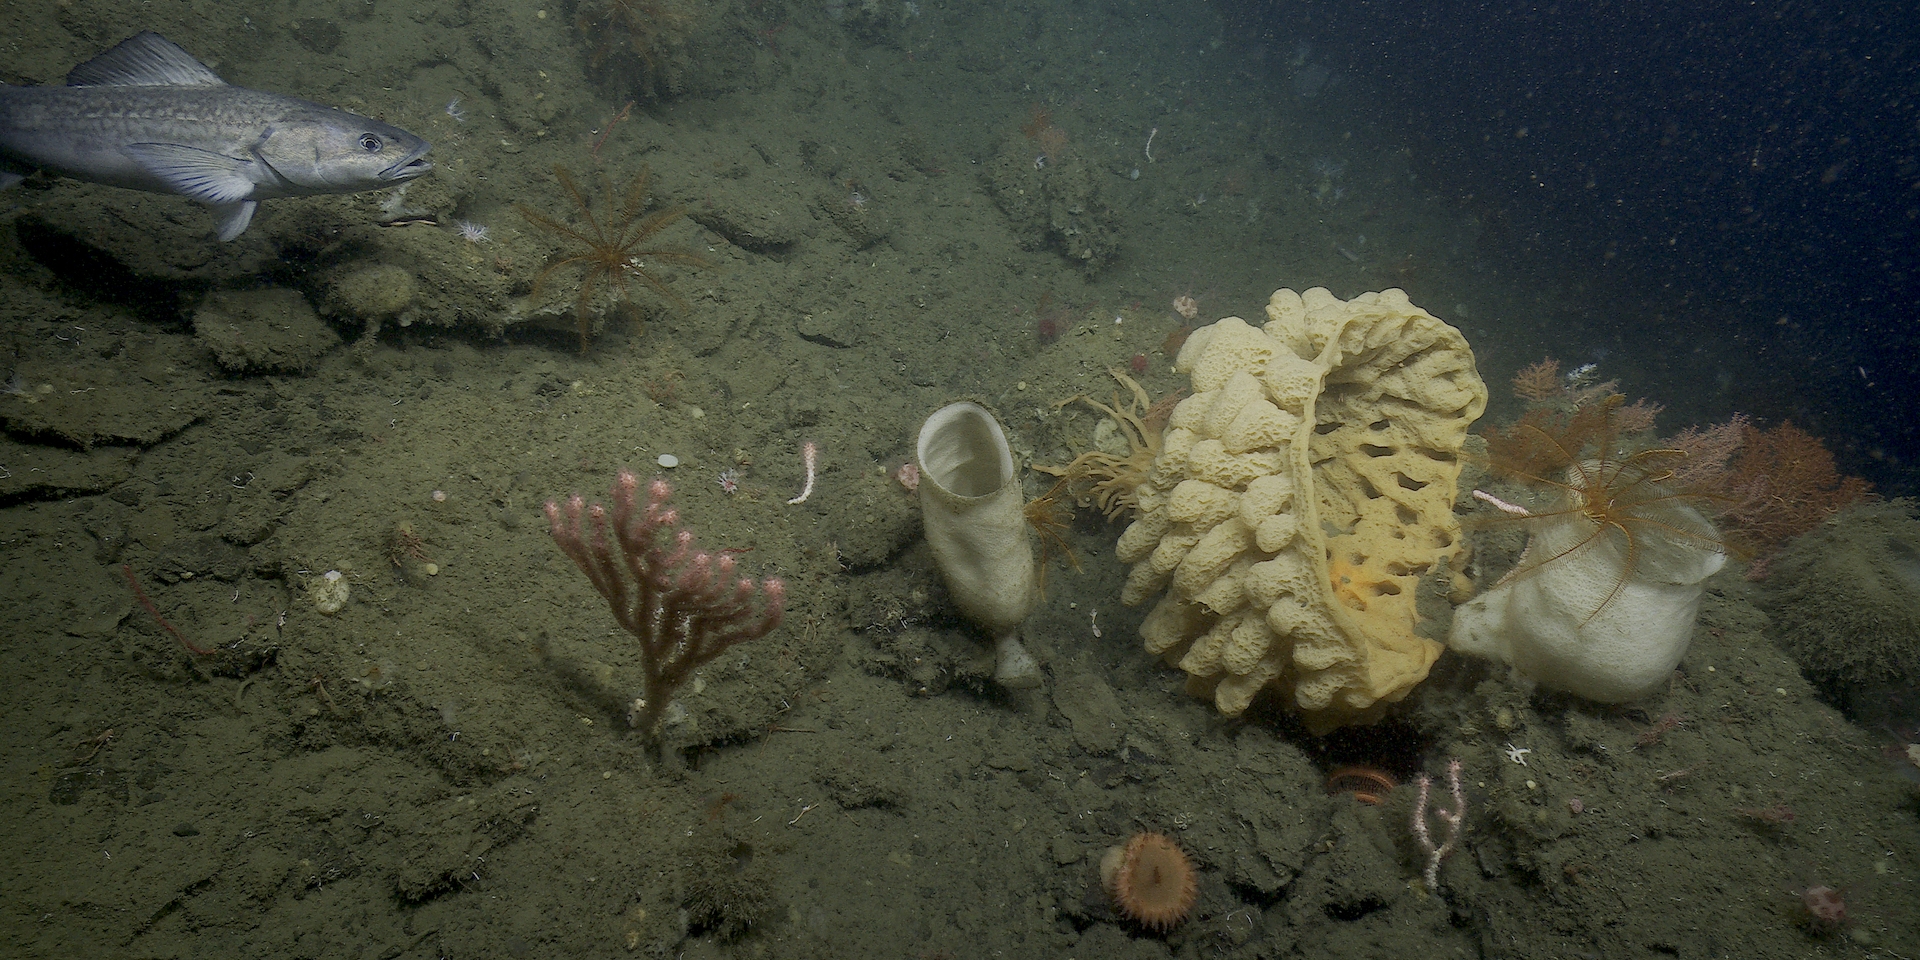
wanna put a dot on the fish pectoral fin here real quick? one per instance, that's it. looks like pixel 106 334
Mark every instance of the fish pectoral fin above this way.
pixel 234 217
pixel 201 174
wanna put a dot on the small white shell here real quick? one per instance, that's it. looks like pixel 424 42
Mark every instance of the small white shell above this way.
pixel 667 461
pixel 329 593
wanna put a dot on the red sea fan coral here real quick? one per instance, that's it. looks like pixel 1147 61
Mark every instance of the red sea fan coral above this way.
pixel 1539 382
pixel 1783 482
pixel 1708 450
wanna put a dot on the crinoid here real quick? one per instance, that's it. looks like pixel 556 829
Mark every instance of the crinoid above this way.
pixel 1050 518
pixel 1579 475
pixel 609 247
pixel 1110 479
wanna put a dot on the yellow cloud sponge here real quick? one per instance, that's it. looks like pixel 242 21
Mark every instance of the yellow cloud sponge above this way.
pixel 1299 495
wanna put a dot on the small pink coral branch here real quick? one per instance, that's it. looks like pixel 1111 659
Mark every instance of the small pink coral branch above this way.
pixel 1501 505
pixel 683 605
pixel 1452 819
pixel 808 453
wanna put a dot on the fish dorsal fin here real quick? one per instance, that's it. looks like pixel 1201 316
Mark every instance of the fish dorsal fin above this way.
pixel 145 59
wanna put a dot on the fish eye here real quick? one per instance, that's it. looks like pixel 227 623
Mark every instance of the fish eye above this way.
pixel 370 142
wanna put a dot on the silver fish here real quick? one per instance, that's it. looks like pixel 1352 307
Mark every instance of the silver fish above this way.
pixel 147 116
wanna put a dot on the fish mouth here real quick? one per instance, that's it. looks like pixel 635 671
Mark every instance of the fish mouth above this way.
pixel 410 166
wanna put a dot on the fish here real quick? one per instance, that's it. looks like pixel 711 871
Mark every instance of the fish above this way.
pixel 146 115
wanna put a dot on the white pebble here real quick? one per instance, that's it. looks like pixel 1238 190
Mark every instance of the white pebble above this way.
pixel 667 461
pixel 329 593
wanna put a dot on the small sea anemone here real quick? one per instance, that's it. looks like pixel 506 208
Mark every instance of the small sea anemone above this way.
pixel 1367 784
pixel 473 232
pixel 1110 479
pixel 1825 910
pixel 1151 881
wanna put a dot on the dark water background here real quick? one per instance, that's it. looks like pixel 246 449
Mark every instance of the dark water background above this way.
pixel 1750 171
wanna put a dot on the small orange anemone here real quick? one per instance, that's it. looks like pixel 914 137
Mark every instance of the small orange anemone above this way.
pixel 1151 881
